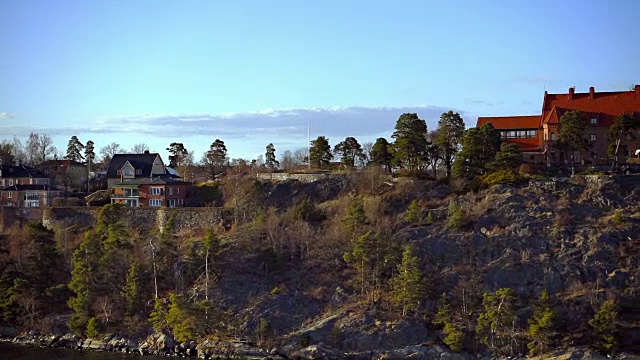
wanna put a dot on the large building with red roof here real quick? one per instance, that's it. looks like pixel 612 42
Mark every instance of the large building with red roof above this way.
pixel 536 134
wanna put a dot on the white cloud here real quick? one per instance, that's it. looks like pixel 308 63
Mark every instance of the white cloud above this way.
pixel 6 116
pixel 245 132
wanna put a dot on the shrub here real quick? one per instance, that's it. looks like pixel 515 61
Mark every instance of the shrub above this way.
pixel 453 336
pixel 413 212
pixel 617 218
pixel 457 217
pixel 275 291
pixel 509 177
pixel 93 328
pixel 430 218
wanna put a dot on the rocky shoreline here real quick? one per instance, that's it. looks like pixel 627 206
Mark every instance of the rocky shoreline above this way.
pixel 161 344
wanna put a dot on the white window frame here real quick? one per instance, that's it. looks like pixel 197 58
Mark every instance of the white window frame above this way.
pixel 9 195
pixel 155 190
pixel 170 191
pixel 593 137
pixel 155 202
pixel 594 121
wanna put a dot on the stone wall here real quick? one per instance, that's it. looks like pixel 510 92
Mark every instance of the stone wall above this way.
pixel 304 178
pixel 142 219
pixel 10 216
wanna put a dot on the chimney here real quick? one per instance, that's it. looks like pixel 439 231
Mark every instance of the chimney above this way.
pixel 146 151
pixel 571 91
pixel 638 91
pixel 592 92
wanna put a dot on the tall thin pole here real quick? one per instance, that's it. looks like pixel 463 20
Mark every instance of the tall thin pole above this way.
pixel 309 143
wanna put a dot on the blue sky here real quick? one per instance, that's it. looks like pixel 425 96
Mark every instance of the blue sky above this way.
pixel 254 72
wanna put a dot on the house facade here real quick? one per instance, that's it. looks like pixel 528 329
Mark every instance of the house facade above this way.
pixel 141 180
pixel 156 192
pixel 129 167
pixel 28 195
pixel 536 135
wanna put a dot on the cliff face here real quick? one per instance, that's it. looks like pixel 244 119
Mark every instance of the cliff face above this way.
pixel 280 277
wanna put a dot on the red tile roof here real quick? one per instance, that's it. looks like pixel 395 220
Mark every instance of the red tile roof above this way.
pixel 599 103
pixel 511 122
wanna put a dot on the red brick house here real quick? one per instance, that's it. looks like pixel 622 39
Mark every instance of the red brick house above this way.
pixel 28 195
pixel 154 192
pixel 537 134
pixel 141 180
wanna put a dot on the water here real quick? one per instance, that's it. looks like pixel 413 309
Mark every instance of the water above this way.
pixel 10 351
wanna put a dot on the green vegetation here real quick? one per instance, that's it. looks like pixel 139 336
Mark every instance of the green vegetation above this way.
pixel 407 284
pixel 542 325
pixel 604 327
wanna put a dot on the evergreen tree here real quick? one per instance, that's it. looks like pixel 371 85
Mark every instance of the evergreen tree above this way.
pixel 355 217
pixel 496 325
pixel 181 318
pixel 541 325
pixel 132 291
pixel 450 132
pixel 443 311
pixel 158 317
pixel 413 212
pixel 508 158
pixel 177 154
pixel 571 134
pixel 350 152
pixel 74 149
pixel 479 147
pixel 407 284
pixel 83 279
pixel 411 142
pixel 215 159
pixel 320 153
pixel 89 153
pixel 270 157
pixel 604 327
pixel 380 154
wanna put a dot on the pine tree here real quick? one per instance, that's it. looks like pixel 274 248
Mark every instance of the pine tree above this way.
pixel 181 318
pixel 177 154
pixel 604 327
pixel 350 152
pixel 413 212
pixel 132 291
pixel 450 131
pixel 270 157
pixel 215 159
pixel 320 153
pixel 496 325
pixel 443 311
pixel 411 142
pixel 541 325
pixel 380 154
pixel 83 280
pixel 508 158
pixel 479 147
pixel 407 284
pixel 454 336
pixel 355 217
pixel 571 134
pixel 74 149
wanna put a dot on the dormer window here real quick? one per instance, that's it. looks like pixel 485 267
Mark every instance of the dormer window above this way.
pixel 594 121
pixel 128 172
pixel 138 171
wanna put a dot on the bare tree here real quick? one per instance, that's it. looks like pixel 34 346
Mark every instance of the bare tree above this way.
pixel 108 151
pixel 139 148
pixel 45 147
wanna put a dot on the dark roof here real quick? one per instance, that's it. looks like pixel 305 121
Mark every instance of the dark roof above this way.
pixel 49 163
pixel 138 161
pixel 22 171
pixel 29 187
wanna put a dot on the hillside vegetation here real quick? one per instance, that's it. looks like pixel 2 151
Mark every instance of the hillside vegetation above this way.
pixel 352 265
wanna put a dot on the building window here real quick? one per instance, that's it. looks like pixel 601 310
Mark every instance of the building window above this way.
pixel 155 202
pixel 138 171
pixel 10 182
pixel 118 172
pixel 553 137
pixel 171 203
pixel 9 195
pixel 128 172
pixel 156 191
pixel 594 121
pixel 531 134
pixel 170 191
pixel 592 137
pixel 180 201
